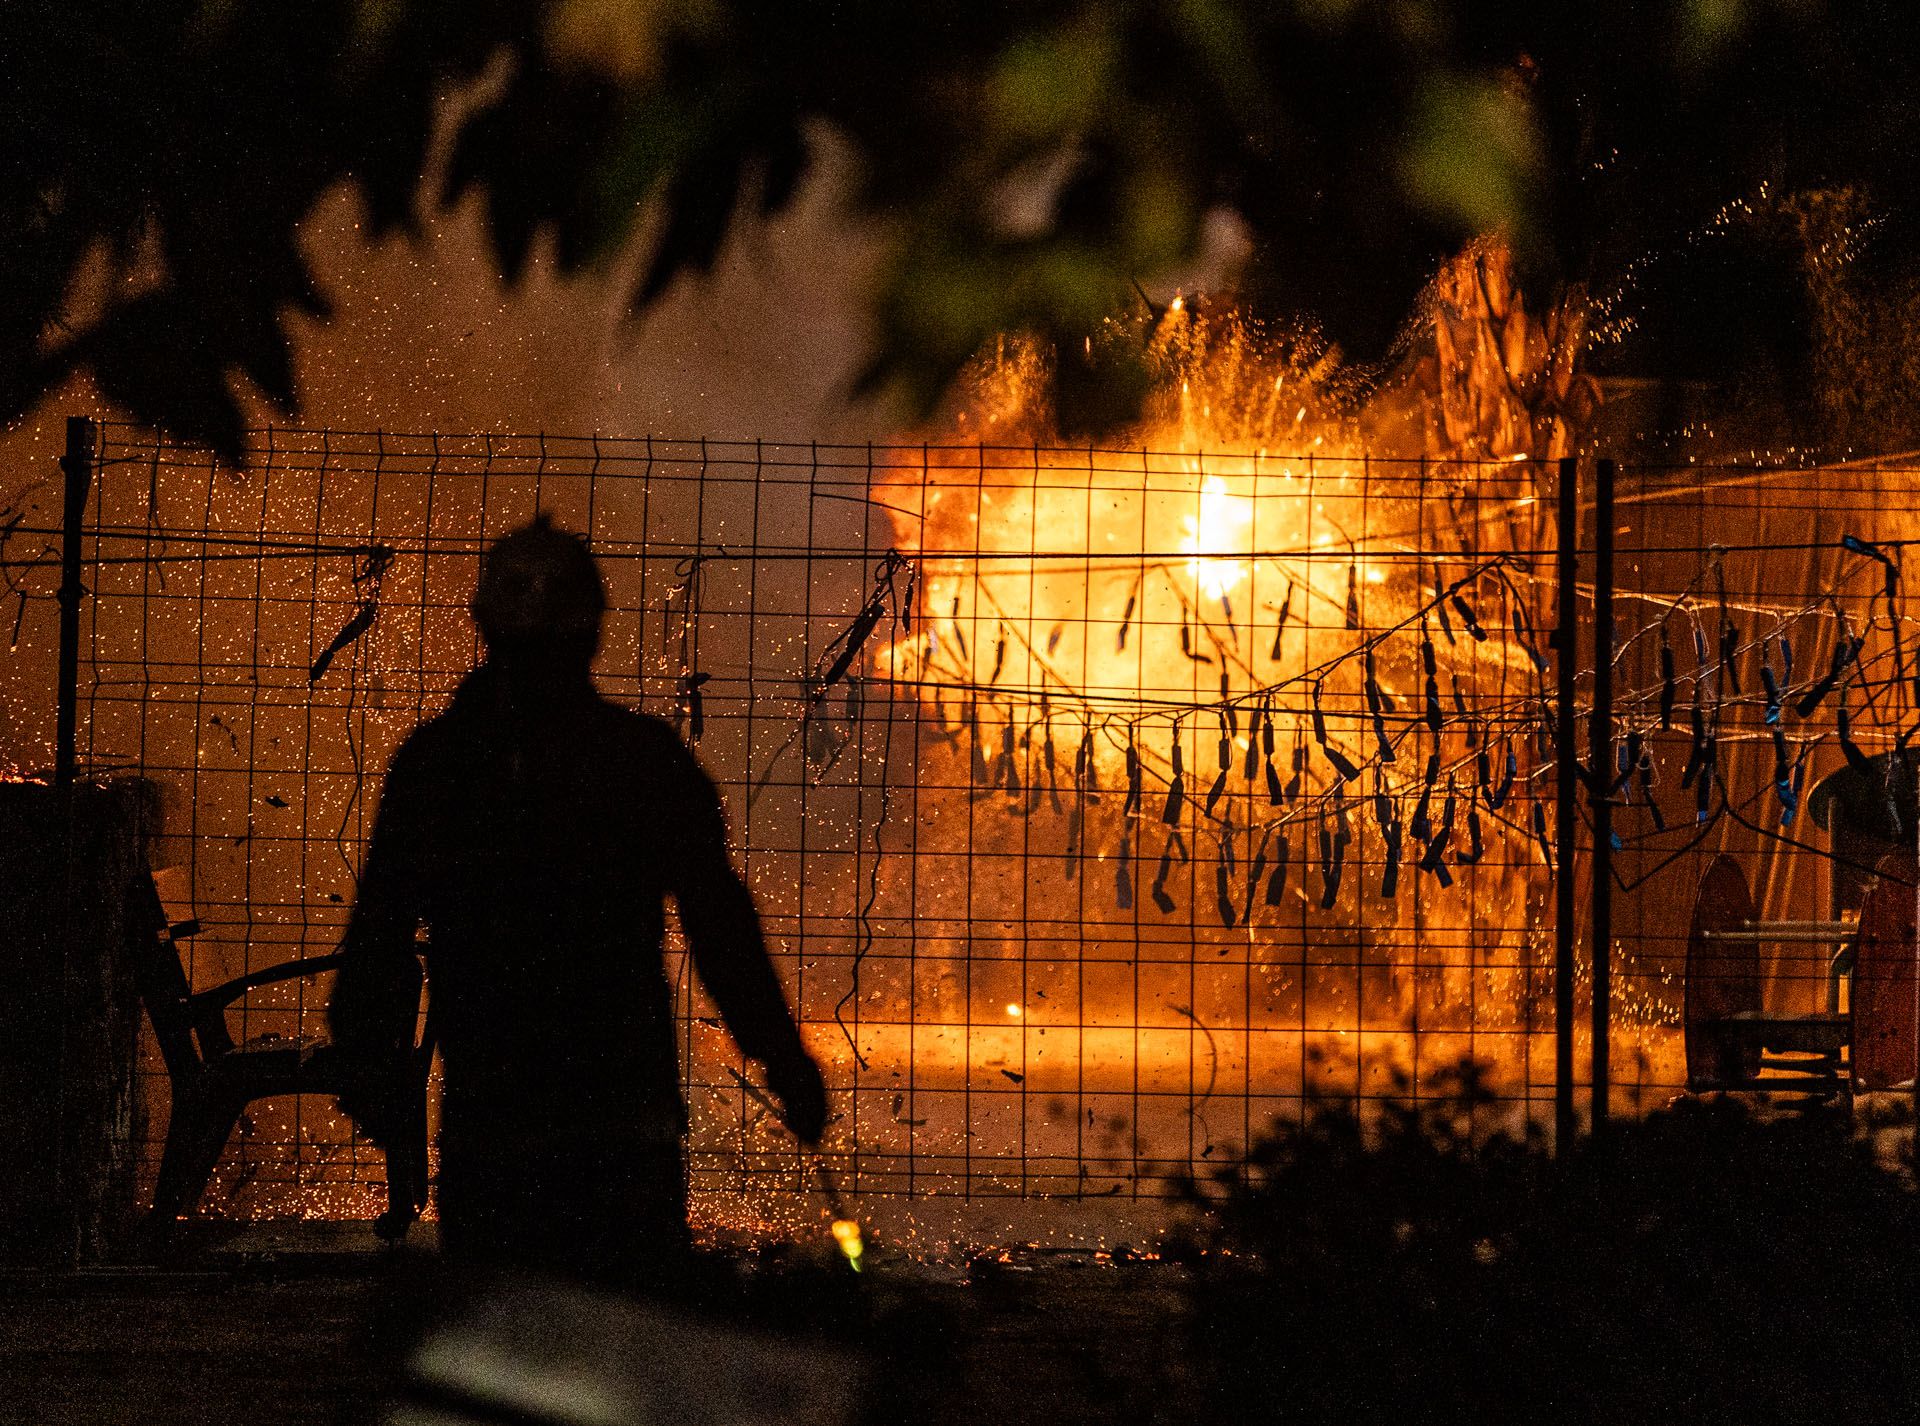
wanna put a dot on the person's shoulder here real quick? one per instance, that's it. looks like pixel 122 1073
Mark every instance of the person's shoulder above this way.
pixel 442 736
pixel 435 732
pixel 633 730
pixel 651 743
pixel 634 724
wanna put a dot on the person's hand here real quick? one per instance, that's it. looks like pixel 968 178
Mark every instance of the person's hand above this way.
pixel 796 1083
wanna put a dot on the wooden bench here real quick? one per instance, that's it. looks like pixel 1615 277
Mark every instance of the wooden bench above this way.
pixel 214 1077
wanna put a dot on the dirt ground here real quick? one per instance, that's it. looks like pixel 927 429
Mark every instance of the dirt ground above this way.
pixel 287 1337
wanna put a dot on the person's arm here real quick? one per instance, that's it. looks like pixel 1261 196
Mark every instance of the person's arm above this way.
pixel 724 938
pixel 376 995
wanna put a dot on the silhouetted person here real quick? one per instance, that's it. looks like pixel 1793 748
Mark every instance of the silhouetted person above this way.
pixel 535 830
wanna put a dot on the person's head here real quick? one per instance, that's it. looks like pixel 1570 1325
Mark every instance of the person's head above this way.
pixel 540 600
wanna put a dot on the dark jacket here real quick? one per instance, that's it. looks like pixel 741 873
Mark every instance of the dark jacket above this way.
pixel 538 848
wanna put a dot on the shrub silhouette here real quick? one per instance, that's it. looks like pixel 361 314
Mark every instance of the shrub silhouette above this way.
pixel 1703 1264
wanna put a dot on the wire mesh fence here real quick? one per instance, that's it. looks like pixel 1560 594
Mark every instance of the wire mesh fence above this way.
pixel 1764 792
pixel 1102 805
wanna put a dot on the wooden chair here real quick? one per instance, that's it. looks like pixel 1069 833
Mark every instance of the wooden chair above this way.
pixel 214 1077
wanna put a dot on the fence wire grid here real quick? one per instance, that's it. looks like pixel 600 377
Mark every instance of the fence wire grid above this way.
pixel 1102 806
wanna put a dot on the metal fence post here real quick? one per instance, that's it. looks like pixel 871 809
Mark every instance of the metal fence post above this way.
pixel 1600 791
pixel 76 465
pixel 1566 783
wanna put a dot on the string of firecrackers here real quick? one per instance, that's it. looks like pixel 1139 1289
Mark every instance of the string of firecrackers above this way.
pixel 680 621
pixel 1439 822
pixel 1488 764
pixel 13 573
pixel 832 668
pixel 1328 809
pixel 836 662
pixel 371 563
pixel 1789 690
pixel 1488 767
pixel 843 650
pixel 690 703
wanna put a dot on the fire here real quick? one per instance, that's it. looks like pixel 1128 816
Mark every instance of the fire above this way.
pixel 1189 562
pixel 1167 679
pixel 1223 521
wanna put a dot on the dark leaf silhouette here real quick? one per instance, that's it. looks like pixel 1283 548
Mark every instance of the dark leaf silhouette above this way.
pixel 1356 141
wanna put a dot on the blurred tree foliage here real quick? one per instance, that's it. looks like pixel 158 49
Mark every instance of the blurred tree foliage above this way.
pixel 1030 159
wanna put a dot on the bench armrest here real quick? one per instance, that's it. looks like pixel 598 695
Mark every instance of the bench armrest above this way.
pixel 221 996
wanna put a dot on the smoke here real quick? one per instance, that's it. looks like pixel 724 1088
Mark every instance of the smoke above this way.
pixel 425 336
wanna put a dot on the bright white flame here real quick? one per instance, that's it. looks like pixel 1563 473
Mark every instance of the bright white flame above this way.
pixel 1221 523
pixel 1013 1010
